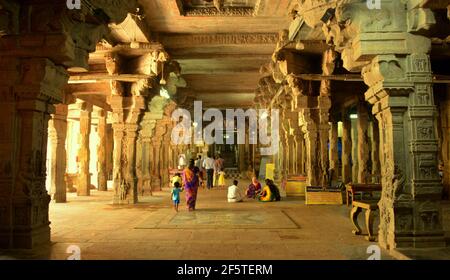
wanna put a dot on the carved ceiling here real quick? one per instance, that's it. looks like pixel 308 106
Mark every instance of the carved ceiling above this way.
pixel 219 7
pixel 220 44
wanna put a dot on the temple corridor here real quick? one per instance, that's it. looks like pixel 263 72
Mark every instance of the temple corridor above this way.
pixel 343 106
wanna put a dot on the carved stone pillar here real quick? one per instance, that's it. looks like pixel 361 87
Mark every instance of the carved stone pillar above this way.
pixel 28 89
pixel 165 177
pixel 126 131
pixel 311 158
pixel 388 46
pixel 84 176
pixel 118 179
pixel 284 148
pixel 140 151
pixel 363 142
pixel 375 150
pixel 109 150
pixel 44 34
pixel 292 154
pixel 354 155
pixel 101 152
pixel 324 132
pixel 334 156
pixel 57 136
pixel 300 146
pixel 145 159
pixel 146 165
pixel 129 192
pixel 346 149
pixel 156 165
pixel 445 141
pixel 312 147
pixel 403 104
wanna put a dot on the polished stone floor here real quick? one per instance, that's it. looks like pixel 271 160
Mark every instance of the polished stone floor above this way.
pixel 216 230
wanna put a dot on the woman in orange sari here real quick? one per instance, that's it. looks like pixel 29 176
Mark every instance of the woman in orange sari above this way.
pixel 191 181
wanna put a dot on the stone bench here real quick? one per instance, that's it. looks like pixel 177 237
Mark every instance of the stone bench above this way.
pixel 370 207
pixel 353 188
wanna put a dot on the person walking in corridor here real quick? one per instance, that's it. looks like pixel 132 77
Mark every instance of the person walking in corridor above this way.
pixel 208 165
pixel 190 181
pixel 218 168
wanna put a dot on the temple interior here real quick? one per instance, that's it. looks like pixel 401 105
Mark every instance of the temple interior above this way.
pixel 351 97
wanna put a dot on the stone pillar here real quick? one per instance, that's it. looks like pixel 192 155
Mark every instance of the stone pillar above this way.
pixel 334 156
pixel 84 176
pixel 144 158
pixel 101 152
pixel 129 194
pixel 445 142
pixel 28 87
pixel 324 132
pixel 375 151
pixel 140 151
pixel 165 177
pixel 312 156
pixel 284 147
pixel 156 165
pixel 363 143
pixel 300 146
pixel 57 136
pixel 128 112
pixel 354 156
pixel 403 104
pixel 118 180
pixel 346 149
pixel 292 154
pixel 311 159
pixel 146 165
pixel 109 150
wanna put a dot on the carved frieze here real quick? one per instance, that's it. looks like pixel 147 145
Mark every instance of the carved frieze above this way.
pixel 220 39
pixel 224 11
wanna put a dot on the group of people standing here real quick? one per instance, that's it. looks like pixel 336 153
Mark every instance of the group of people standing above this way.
pixel 214 169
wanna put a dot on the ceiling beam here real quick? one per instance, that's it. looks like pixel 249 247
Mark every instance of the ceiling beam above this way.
pixel 106 77
pixel 208 40
pixel 97 100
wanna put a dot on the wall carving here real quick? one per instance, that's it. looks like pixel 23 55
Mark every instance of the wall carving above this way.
pixel 220 39
pixel 225 11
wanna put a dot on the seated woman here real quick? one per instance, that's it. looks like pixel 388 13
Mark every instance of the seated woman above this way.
pixel 254 188
pixel 270 192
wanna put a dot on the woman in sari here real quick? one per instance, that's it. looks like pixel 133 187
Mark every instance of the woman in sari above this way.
pixel 254 188
pixel 270 192
pixel 191 181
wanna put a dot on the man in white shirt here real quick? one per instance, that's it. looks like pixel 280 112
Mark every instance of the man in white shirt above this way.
pixel 234 193
pixel 208 164
pixel 181 161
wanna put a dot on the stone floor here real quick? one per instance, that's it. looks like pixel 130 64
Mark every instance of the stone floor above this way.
pixel 217 230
